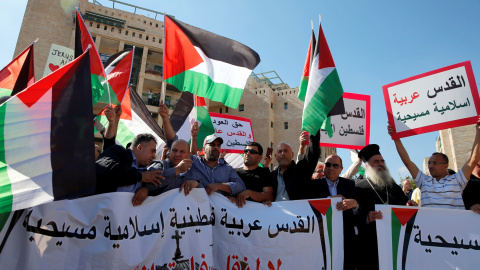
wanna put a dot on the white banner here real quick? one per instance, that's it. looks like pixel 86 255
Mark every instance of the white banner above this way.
pixel 235 131
pixel 427 238
pixel 174 231
pixel 58 57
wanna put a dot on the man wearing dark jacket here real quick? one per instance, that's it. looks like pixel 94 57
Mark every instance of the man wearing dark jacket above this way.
pixel 291 178
pixel 120 169
pixel 332 185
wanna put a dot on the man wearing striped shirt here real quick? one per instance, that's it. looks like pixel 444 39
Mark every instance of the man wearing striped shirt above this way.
pixel 439 189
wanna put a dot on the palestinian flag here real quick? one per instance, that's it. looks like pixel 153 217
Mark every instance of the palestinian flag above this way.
pixel 18 74
pixel 118 70
pixel 191 108
pixel 101 90
pixel 135 119
pixel 324 91
pixel 206 64
pixel 302 90
pixel 46 140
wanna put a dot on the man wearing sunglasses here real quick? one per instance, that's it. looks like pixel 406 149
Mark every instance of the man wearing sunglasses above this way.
pixel 258 180
pixel 440 189
pixel 332 185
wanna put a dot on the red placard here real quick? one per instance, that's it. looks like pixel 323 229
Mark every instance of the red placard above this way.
pixel 234 130
pixel 345 125
pixel 434 89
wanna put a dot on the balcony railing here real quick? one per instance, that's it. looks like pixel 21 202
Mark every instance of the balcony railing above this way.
pixel 155 100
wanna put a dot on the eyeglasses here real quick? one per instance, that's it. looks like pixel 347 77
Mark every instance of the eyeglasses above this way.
pixel 434 163
pixel 251 151
pixel 336 166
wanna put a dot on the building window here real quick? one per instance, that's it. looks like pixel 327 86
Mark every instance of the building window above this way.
pixel 113 29
pixel 271 105
pixel 91 24
pixel 146 38
pixel 105 27
pixel 156 25
pixel 153 39
pixel 271 144
pixel 271 124
pixel 226 109
pixel 241 107
pixel 220 110
pixel 140 36
pixel 98 25
pixel 133 34
pixel 119 31
pixel 285 125
pixel 150 23
pixel 285 106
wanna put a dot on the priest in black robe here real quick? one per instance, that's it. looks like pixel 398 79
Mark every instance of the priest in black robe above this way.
pixel 378 188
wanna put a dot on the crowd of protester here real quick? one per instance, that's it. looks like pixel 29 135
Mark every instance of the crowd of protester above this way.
pixel 134 169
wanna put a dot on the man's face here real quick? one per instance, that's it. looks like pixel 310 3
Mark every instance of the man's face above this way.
pixel 212 150
pixel 249 158
pixel 437 166
pixel 180 151
pixel 284 155
pixel 319 172
pixel 407 185
pixel 377 162
pixel 145 153
pixel 332 168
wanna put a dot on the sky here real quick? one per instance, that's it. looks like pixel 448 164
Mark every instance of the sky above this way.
pixel 373 43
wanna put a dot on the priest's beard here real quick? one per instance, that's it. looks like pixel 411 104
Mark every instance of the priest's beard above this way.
pixel 380 178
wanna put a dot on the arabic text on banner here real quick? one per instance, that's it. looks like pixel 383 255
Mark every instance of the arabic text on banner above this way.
pixel 195 232
pixel 414 238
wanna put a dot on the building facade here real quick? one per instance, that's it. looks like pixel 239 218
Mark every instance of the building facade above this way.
pixel 456 143
pixel 273 108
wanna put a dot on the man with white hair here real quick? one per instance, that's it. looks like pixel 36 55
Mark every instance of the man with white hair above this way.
pixel 377 188
pixel 290 177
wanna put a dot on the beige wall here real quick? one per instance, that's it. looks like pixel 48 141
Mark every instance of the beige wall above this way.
pixel 50 23
pixel 456 143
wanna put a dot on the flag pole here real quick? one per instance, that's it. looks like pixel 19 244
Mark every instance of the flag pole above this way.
pixel 311 22
pixel 162 97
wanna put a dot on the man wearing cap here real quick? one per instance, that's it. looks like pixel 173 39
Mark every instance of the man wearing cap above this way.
pixel 377 188
pixel 214 175
pixel 292 178
pixel 440 189
pixel 258 180
pixel 332 185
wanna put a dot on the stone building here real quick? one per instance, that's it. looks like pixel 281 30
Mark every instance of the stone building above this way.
pixel 456 143
pixel 273 108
